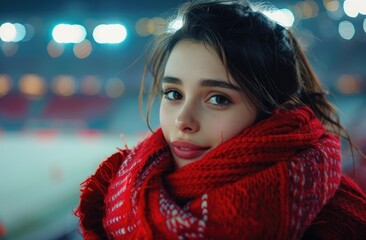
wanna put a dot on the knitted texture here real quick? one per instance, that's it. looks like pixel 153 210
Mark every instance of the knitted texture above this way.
pixel 343 217
pixel 270 182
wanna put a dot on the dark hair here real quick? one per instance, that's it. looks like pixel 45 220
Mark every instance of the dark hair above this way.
pixel 264 58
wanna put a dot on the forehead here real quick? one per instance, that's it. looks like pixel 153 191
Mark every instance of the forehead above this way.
pixel 196 59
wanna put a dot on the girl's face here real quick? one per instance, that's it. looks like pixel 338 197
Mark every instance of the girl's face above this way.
pixel 202 105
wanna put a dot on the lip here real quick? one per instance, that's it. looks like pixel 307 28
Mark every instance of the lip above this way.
pixel 187 150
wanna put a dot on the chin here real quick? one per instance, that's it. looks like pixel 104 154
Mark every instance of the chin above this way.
pixel 183 162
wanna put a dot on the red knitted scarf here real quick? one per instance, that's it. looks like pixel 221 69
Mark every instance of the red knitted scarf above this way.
pixel 270 182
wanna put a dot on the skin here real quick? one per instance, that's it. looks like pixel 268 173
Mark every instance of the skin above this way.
pixel 202 105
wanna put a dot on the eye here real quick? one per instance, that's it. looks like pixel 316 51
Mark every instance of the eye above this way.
pixel 172 95
pixel 219 100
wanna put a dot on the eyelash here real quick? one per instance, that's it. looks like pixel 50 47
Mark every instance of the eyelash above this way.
pixel 225 98
pixel 166 93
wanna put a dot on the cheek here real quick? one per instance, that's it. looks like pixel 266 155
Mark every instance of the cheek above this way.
pixel 225 132
pixel 232 131
pixel 228 129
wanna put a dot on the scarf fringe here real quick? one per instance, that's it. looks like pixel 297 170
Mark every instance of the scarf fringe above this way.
pixel 93 191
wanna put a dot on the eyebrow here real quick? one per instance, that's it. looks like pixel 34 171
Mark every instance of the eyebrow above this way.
pixel 203 83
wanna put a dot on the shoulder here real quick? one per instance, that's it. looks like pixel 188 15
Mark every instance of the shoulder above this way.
pixel 345 212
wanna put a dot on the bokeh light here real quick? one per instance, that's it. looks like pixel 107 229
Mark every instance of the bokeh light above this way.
pixel 348 84
pixel 83 50
pixel 55 49
pixel 90 85
pixel 5 84
pixel 157 25
pixel 63 85
pixel 141 27
pixel 9 48
pixel 336 15
pixel 69 33
pixel 12 32
pixel 29 32
pixel 346 30
pixel 351 8
pixel 109 33
pixel 7 32
pixel 114 88
pixel 306 9
pixel 332 5
pixel 354 7
pixel 32 85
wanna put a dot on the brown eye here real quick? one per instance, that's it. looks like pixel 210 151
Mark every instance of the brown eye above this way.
pixel 172 95
pixel 219 100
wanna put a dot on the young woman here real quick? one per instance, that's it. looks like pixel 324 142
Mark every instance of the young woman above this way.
pixel 248 146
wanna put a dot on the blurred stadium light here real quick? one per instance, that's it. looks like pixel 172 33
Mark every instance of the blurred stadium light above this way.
pixel 69 33
pixel 109 33
pixel 10 32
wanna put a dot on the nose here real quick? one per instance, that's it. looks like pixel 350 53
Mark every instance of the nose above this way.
pixel 186 120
